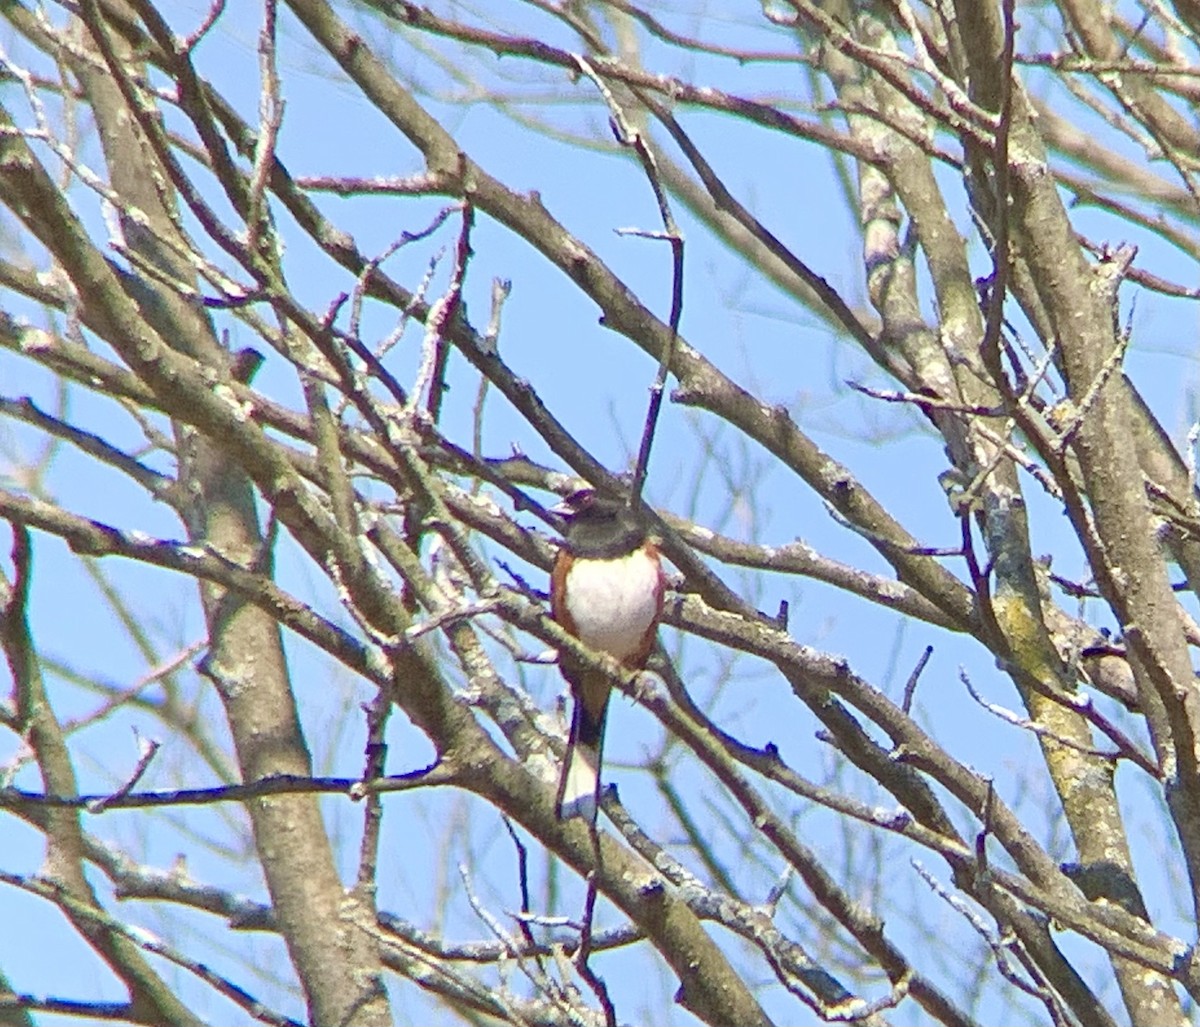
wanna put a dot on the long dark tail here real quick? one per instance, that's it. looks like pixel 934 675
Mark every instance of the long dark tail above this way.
pixel 579 786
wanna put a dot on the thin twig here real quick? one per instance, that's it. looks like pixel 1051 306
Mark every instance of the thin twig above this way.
pixel 910 686
pixel 629 135
pixel 270 117
pixel 999 947
pixel 999 281
pixel 378 710
pixel 443 315
pixel 284 784
pixel 149 748
pixel 584 968
pixel 190 41
pixel 1044 732
pixel 501 287
pixel 526 916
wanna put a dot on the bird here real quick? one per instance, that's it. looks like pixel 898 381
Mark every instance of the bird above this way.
pixel 606 589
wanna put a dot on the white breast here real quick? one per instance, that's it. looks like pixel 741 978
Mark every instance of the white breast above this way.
pixel 613 602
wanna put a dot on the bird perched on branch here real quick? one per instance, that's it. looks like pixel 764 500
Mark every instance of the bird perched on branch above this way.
pixel 606 589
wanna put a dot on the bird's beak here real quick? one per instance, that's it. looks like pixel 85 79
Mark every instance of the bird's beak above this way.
pixel 570 505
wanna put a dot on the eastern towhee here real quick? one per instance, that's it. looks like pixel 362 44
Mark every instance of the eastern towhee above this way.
pixel 606 590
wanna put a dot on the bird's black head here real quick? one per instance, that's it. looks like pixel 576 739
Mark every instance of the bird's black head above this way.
pixel 599 527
